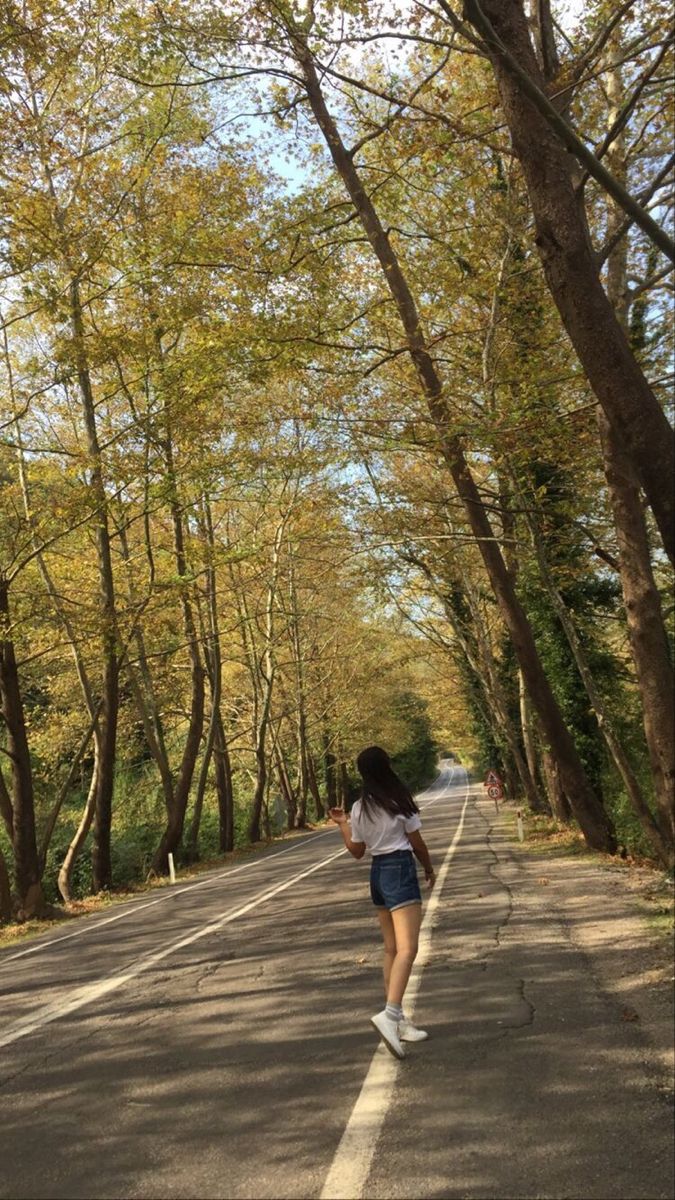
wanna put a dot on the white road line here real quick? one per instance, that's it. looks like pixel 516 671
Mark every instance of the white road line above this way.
pixel 169 895
pixel 89 992
pixel 350 1168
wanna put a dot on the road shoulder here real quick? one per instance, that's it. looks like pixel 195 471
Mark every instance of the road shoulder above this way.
pixel 601 904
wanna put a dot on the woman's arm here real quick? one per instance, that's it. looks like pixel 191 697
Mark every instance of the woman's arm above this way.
pixel 421 853
pixel 356 849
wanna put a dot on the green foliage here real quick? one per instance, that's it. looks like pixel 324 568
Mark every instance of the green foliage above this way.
pixel 245 361
pixel 416 760
pixel 486 753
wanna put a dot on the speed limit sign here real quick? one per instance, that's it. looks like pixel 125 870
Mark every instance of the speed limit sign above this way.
pixel 494 791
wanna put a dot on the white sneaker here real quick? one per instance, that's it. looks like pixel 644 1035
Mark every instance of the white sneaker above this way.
pixel 408 1032
pixel 388 1031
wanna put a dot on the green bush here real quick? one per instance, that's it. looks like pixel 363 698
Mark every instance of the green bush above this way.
pixel 416 760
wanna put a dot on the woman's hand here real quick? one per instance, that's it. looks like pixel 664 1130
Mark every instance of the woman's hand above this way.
pixel 430 878
pixel 338 815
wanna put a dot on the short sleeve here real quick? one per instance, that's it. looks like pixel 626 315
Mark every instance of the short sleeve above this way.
pixel 355 822
pixel 412 823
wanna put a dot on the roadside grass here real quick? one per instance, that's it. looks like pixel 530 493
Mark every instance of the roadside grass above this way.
pixel 18 932
pixel 545 835
pixel 657 904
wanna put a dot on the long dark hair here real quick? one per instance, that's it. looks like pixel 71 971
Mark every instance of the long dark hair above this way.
pixel 382 786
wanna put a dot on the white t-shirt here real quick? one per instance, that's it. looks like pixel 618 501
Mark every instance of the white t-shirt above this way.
pixel 381 831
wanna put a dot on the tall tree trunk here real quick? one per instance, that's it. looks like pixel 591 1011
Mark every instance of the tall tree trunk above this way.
pixel 304 782
pixel 248 643
pixel 212 658
pixel 192 845
pixel 497 698
pixel 511 781
pixel 344 789
pixel 142 688
pixel 287 792
pixel 5 891
pixel 268 675
pixel 314 786
pixel 646 629
pixel 261 741
pixel 588 810
pixel 285 786
pixel 301 803
pixel 254 825
pixel 65 787
pixel 329 769
pixel 173 831
pixel 224 792
pixel 559 803
pixel 571 271
pixel 65 877
pixel 657 836
pixel 544 38
pixel 526 726
pixel 6 807
pixel 24 842
pixel 101 860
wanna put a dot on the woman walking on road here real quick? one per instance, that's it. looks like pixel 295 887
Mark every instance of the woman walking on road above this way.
pixel 385 821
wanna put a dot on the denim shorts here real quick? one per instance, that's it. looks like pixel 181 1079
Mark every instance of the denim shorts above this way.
pixel 393 880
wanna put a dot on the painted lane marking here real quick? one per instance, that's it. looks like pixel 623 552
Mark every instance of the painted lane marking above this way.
pixel 350 1168
pixel 168 895
pixel 175 892
pixel 90 992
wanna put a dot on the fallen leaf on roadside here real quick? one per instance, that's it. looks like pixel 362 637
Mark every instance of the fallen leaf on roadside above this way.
pixel 629 1014
pixel 543 880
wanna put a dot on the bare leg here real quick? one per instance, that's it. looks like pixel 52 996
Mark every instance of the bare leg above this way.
pixel 406 922
pixel 389 939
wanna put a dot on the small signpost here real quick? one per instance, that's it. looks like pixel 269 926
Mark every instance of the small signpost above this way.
pixel 495 788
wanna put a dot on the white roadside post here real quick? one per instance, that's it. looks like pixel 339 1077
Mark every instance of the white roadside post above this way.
pixel 172 870
pixel 521 831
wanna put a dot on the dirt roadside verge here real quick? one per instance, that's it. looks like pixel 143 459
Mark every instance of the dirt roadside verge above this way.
pixel 604 906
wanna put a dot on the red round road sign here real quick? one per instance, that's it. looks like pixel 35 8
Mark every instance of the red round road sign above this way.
pixel 494 791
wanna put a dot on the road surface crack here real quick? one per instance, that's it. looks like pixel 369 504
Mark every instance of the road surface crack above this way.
pixel 528 1005
pixel 212 968
pixel 501 925
pixel 41 1061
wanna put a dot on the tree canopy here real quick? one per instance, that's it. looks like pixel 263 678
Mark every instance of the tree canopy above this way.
pixel 336 370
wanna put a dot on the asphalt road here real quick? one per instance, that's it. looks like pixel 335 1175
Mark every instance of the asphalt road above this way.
pixel 213 1041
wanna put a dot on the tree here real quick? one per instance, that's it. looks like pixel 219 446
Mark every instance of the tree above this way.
pixel 571 267
pixel 588 810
